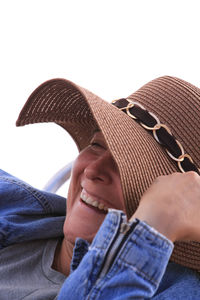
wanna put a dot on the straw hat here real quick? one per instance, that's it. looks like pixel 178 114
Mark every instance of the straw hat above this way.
pixel 154 131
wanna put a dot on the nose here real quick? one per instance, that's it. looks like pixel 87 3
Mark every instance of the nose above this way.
pixel 100 169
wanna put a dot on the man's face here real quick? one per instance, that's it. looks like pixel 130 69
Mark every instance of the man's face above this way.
pixel 95 186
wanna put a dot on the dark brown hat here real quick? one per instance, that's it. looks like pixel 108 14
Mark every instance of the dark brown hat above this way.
pixel 154 131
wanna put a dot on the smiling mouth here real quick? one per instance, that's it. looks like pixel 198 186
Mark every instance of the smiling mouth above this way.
pixel 93 202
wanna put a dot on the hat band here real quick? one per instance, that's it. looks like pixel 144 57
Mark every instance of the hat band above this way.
pixel 160 132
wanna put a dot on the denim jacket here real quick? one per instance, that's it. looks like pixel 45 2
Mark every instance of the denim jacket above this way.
pixel 124 261
pixel 27 213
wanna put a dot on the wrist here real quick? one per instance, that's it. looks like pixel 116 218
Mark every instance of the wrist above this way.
pixel 161 223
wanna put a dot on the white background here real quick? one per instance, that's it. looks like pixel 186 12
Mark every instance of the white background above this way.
pixel 110 47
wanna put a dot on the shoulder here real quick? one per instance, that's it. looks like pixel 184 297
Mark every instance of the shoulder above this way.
pixel 26 212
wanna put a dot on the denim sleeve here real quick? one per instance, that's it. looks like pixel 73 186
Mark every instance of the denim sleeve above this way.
pixel 27 213
pixel 133 270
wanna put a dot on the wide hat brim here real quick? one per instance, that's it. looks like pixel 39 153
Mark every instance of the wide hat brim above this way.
pixel 139 157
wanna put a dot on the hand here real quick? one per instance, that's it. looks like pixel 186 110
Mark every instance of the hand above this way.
pixel 172 206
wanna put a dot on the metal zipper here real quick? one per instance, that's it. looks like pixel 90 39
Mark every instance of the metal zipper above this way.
pixel 124 230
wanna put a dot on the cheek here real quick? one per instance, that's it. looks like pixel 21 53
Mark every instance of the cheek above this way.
pixel 79 166
pixel 75 181
pixel 69 196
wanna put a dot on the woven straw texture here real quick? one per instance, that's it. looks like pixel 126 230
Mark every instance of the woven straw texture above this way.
pixel 139 157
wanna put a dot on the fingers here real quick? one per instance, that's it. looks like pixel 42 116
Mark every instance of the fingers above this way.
pixel 172 206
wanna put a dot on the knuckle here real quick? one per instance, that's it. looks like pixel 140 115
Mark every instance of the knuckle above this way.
pixel 166 177
pixel 192 175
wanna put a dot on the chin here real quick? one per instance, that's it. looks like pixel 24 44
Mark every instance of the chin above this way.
pixel 83 229
pixel 72 234
pixel 82 221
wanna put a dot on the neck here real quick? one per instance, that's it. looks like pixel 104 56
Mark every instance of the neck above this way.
pixel 63 257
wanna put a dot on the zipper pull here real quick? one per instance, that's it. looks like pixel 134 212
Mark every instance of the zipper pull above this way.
pixel 124 228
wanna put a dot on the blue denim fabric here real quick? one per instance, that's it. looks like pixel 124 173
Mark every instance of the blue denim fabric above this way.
pixel 27 213
pixel 139 271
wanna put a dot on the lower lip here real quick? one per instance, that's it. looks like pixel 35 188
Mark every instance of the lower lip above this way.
pixel 92 208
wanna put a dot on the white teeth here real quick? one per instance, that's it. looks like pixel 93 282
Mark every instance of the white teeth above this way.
pixel 92 202
pixel 89 200
pixel 101 206
pixel 95 203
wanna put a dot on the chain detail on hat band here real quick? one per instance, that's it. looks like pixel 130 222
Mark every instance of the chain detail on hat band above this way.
pixel 184 161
